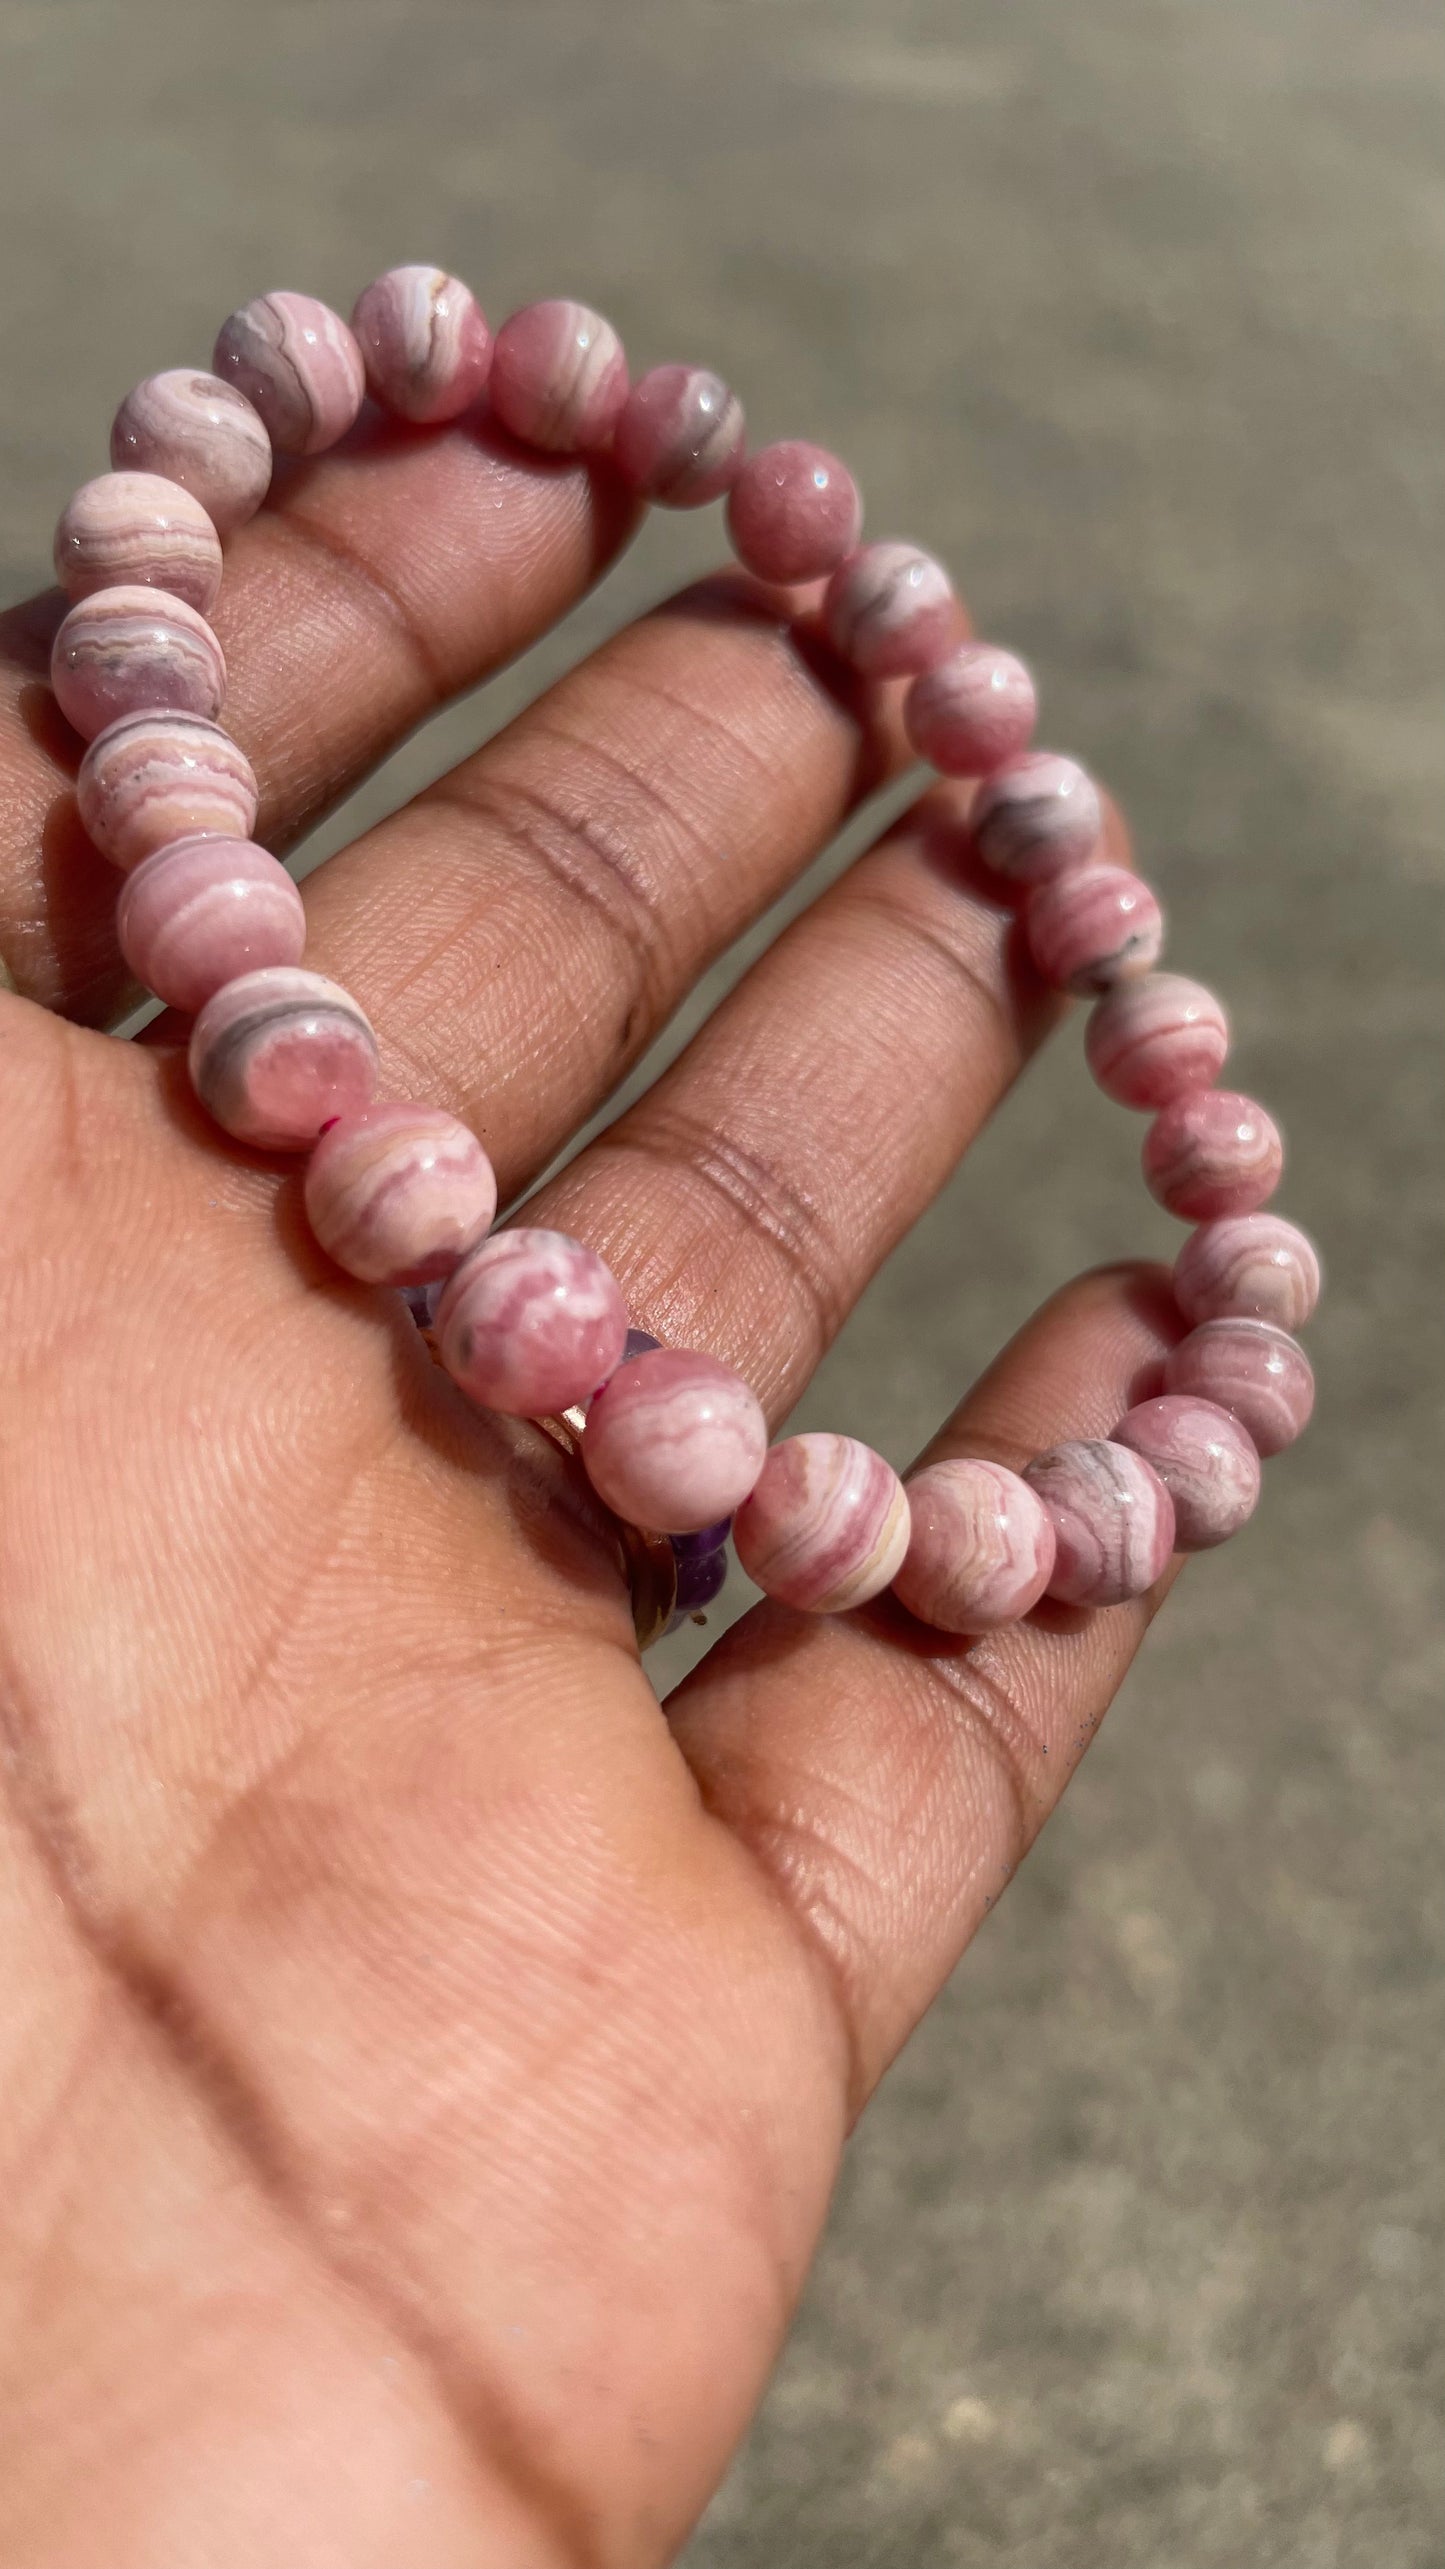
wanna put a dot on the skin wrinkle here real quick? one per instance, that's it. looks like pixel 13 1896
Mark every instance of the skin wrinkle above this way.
pixel 365 580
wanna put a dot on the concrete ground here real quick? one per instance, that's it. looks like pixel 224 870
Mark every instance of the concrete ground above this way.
pixel 1135 311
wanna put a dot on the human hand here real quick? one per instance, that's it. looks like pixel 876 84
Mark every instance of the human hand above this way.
pixel 426 2064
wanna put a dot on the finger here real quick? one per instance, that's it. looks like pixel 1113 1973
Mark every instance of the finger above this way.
pixel 374 585
pixel 521 931
pixel 887 1780
pixel 747 1199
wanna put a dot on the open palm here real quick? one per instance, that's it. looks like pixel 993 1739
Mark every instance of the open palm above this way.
pixel 426 2064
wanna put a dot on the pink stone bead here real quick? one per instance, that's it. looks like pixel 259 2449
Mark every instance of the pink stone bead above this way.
pixel 275 1055
pixel 197 431
pixel 1112 1517
pixel 151 778
pixel 1258 1373
pixel 982 1547
pixel 1212 1152
pixel 675 1441
pixel 1206 1461
pixel 793 512
pixel 890 611
pixel 131 651
pixel 136 530
pixel 399 1195
pixel 973 711
pixel 1092 928
pixel 1152 1041
pixel 203 911
pixel 680 436
pixel 531 1324
pixel 1036 817
pixel 826 1524
pixel 559 377
pixel 424 342
pixel 299 366
pixel 1250 1266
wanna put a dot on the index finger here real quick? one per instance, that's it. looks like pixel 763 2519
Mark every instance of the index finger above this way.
pixel 374 585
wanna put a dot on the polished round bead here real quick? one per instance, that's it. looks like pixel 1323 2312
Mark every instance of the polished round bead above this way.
pixel 973 711
pixel 890 611
pixel 701 1576
pixel 674 1441
pixel 559 377
pixel 136 530
pixel 1094 927
pixel 193 429
pixel 1112 1517
pixel 151 778
pixel 202 912
pixel 275 1055
pixel 298 365
pixel 1258 1373
pixel 532 1323
pixel 982 1547
pixel 680 436
pixel 1249 1266
pixel 424 342
pixel 1207 1462
pixel 1151 1041
pixel 826 1525
pixel 1212 1152
pixel 131 651
pixel 399 1194
pixel 793 512
pixel 1036 817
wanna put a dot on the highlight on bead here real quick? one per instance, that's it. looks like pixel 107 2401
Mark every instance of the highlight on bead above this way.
pixel 680 436
pixel 1210 1153
pixel 972 711
pixel 825 1526
pixel 793 512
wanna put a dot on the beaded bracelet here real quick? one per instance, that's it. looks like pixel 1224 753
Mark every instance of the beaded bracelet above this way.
pixel 527 1321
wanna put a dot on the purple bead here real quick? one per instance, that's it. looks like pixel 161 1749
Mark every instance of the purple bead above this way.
pixel 1250 1266
pixel 275 1055
pixel 1037 816
pixel 972 712
pixel 298 365
pixel 399 1194
pixel 982 1548
pixel 1151 1041
pixel 890 611
pixel 424 342
pixel 200 432
pixel 793 512
pixel 826 1525
pixel 674 1441
pixel 135 530
pixel 1206 1461
pixel 559 377
pixel 202 912
pixel 153 778
pixel 701 1576
pixel 131 651
pixel 531 1323
pixel 1258 1373
pixel 640 1342
pixel 1112 1517
pixel 680 436
pixel 708 1538
pixel 1094 927
pixel 1212 1152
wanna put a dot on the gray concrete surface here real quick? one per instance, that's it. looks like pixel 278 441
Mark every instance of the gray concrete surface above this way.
pixel 1136 310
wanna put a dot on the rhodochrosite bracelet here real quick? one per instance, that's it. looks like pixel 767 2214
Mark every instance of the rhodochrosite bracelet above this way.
pixel 400 1194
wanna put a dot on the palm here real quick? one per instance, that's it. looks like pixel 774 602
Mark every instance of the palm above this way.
pixel 427 2067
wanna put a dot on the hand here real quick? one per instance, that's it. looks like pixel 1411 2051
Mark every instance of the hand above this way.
pixel 426 2065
